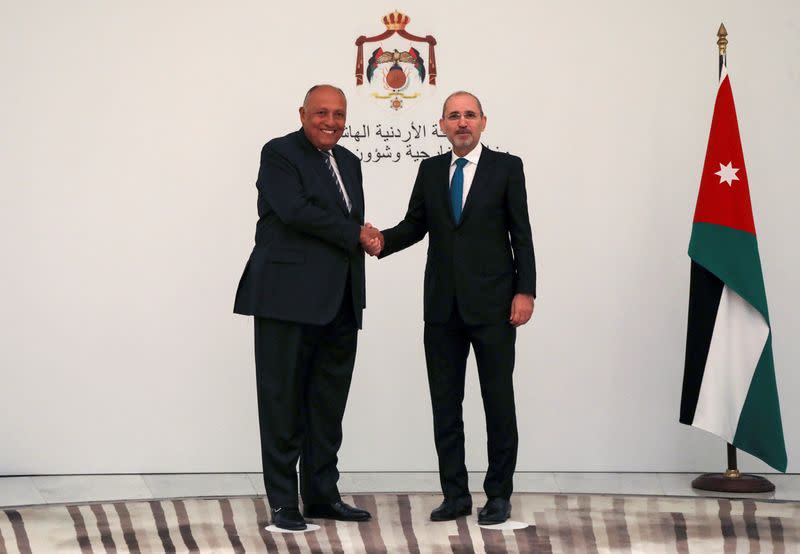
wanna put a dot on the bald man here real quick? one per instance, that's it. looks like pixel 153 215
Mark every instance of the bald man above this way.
pixel 304 285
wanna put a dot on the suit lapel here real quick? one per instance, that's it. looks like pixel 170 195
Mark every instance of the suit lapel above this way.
pixel 441 178
pixel 315 160
pixel 347 170
pixel 481 179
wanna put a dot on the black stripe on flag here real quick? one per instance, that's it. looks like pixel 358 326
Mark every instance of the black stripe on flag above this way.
pixel 705 291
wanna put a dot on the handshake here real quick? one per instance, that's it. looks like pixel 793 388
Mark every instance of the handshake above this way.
pixel 371 239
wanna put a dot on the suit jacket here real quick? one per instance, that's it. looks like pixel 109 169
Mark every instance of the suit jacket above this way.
pixel 306 241
pixel 485 259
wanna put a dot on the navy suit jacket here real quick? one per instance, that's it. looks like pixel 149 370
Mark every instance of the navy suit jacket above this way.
pixel 306 242
pixel 487 257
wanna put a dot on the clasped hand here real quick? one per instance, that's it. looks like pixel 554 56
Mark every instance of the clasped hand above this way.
pixel 371 239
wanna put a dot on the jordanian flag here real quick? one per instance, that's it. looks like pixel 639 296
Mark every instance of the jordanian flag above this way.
pixel 729 386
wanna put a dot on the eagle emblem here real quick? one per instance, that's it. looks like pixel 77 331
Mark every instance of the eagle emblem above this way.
pixel 396 73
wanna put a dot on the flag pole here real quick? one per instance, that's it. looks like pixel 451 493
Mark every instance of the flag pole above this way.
pixel 722 44
pixel 732 480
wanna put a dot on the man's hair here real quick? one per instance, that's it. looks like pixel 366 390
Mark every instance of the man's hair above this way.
pixel 459 93
pixel 315 87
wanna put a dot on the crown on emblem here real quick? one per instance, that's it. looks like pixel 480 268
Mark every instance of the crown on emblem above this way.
pixel 396 21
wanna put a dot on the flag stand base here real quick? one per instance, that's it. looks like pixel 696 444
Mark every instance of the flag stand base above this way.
pixel 732 481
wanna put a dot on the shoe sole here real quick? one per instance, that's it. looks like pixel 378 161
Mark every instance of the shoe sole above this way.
pixel 292 528
pixel 493 521
pixel 484 522
pixel 313 516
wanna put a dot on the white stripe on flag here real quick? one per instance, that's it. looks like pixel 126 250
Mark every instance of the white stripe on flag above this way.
pixel 740 333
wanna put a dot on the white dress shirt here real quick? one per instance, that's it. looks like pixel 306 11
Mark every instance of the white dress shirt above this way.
pixel 469 169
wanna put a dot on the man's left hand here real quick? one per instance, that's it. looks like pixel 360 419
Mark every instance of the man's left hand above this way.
pixel 521 309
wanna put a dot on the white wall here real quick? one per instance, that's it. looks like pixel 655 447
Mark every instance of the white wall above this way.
pixel 128 155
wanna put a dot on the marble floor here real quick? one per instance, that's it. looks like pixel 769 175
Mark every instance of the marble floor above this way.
pixel 60 489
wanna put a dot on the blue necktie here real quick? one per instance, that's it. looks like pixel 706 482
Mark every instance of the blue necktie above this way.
pixel 457 189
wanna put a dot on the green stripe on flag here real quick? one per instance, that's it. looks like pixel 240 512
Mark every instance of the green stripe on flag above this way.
pixel 731 255
pixel 760 431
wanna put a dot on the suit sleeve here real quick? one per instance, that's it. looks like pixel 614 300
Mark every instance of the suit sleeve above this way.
pixel 519 229
pixel 414 225
pixel 280 184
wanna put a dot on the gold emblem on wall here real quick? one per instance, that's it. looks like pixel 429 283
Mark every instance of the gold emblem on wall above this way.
pixel 396 70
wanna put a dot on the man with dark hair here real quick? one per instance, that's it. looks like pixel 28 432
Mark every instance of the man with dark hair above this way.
pixel 480 284
pixel 304 283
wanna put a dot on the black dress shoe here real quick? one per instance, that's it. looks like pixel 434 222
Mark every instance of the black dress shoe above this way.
pixel 452 509
pixel 338 511
pixel 288 517
pixel 497 510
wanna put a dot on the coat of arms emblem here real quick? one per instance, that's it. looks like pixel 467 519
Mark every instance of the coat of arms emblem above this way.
pixel 396 70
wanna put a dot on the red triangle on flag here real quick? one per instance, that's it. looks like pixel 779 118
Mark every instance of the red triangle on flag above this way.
pixel 724 197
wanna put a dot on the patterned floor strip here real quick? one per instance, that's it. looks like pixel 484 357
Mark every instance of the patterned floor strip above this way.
pixel 558 523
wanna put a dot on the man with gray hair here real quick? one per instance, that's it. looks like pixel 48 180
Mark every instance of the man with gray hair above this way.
pixel 480 285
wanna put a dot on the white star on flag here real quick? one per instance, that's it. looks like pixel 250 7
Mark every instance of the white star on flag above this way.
pixel 727 174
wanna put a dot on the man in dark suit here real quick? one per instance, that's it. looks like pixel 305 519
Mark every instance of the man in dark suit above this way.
pixel 304 283
pixel 480 284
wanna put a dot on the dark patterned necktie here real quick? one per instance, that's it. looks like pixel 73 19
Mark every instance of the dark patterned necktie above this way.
pixel 327 155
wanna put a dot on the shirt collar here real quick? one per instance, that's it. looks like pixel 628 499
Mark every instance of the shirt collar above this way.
pixel 472 157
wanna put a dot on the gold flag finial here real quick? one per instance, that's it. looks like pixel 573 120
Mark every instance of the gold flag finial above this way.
pixel 722 40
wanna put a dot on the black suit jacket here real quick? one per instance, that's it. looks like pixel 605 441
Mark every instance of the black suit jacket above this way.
pixel 485 259
pixel 306 242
